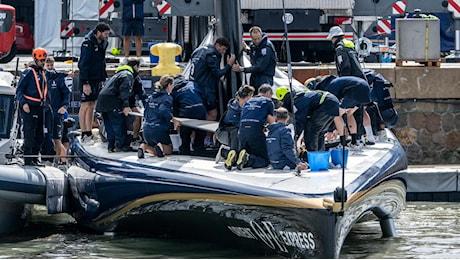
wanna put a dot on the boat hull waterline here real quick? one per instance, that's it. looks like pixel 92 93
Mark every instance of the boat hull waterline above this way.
pixel 130 195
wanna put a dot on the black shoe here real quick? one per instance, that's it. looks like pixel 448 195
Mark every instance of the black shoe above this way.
pixel 140 153
pixel 243 158
pixel 34 163
pixel 158 151
pixel 124 149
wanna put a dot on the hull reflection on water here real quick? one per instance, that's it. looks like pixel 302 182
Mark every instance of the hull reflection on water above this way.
pixel 425 230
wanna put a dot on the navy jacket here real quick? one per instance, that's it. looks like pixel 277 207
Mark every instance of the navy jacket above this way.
pixel 114 96
pixel 206 71
pixel 280 146
pixel 59 92
pixel 263 62
pixel 255 111
pixel 233 115
pixel 92 60
pixel 346 59
pixel 306 103
pixel 187 100
pixel 28 87
pixel 133 9
pixel 158 111
pixel 351 91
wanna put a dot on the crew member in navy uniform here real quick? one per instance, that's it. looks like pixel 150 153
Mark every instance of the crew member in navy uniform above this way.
pixel 206 72
pixel 263 59
pixel 59 94
pixel 280 145
pixel 113 103
pixel 32 94
pixel 158 115
pixel 314 112
pixel 347 64
pixel 257 111
pixel 92 75
pixel 188 103
pixel 351 92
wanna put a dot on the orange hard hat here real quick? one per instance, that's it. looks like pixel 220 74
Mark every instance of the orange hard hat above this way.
pixel 39 54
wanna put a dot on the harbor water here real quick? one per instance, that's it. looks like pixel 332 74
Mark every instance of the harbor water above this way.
pixel 425 230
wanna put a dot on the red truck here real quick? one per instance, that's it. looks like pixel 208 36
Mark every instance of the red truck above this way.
pixel 8 46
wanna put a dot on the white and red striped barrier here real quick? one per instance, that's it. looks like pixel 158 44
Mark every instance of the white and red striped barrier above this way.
pixel 384 27
pixel 399 7
pixel 67 29
pixel 163 7
pixel 105 8
pixel 454 7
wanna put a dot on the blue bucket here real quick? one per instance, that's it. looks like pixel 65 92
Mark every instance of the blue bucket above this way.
pixel 336 156
pixel 319 161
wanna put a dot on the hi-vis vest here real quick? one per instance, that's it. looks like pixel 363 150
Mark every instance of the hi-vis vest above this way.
pixel 42 92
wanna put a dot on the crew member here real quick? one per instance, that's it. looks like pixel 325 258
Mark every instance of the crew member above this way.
pixel 263 59
pixel 34 103
pixel 113 103
pixel 314 113
pixel 92 74
pixel 257 111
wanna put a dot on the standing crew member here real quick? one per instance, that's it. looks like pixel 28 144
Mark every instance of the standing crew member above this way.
pixel 263 59
pixel 133 24
pixel 32 94
pixel 206 72
pixel 59 94
pixel 347 64
pixel 92 75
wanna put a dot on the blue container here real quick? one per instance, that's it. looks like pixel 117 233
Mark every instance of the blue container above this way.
pixel 153 58
pixel 336 156
pixel 319 161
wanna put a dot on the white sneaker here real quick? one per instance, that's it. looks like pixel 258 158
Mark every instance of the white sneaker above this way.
pixel 355 147
pixel 382 136
pixel 219 153
pixel 141 61
pixel 86 140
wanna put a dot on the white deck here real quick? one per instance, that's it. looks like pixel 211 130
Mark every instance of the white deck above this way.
pixel 309 182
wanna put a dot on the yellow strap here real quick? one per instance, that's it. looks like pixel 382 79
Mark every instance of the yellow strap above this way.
pixel 323 97
pixel 427 30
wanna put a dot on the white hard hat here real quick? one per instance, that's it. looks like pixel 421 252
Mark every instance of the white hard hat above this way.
pixel 335 31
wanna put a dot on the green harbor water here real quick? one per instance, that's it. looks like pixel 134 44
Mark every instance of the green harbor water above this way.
pixel 425 230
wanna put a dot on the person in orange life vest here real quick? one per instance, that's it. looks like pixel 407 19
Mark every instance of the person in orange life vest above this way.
pixel 34 104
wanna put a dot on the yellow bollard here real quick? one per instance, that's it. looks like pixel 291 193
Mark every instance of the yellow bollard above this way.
pixel 166 53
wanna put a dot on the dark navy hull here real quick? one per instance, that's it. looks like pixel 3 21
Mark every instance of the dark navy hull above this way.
pixel 127 195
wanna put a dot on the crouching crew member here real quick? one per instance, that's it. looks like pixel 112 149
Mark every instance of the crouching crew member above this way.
pixel 351 92
pixel 229 126
pixel 113 103
pixel 314 113
pixel 255 113
pixel 188 103
pixel 280 145
pixel 32 94
pixel 157 115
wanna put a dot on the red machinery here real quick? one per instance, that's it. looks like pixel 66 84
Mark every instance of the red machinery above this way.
pixel 7 33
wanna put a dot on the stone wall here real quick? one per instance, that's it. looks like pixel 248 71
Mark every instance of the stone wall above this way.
pixel 428 102
pixel 429 130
